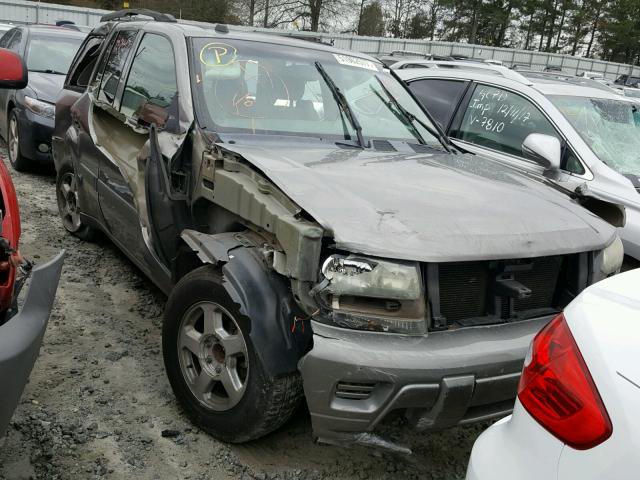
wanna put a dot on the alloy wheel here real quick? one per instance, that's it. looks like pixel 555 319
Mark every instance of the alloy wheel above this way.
pixel 213 356
pixel 14 144
pixel 68 202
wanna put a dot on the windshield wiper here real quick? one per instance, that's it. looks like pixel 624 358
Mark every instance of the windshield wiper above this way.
pixel 341 100
pixel 55 72
pixel 413 119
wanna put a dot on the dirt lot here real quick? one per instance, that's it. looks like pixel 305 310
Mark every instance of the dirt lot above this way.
pixel 99 404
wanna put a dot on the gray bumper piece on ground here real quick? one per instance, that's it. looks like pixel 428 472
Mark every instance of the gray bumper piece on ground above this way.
pixel 354 379
pixel 21 336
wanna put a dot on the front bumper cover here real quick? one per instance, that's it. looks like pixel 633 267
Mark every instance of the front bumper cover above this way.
pixel 34 130
pixel 440 380
pixel 21 336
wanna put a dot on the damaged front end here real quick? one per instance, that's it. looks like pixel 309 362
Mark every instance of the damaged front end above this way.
pixel 442 343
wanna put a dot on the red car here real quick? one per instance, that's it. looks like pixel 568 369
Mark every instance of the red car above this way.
pixel 21 331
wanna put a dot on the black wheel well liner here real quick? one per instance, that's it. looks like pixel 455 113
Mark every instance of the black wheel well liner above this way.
pixel 262 295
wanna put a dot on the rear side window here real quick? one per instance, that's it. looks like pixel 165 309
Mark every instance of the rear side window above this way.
pixel 151 88
pixel 14 43
pixel 84 63
pixel 6 38
pixel 439 97
pixel 110 78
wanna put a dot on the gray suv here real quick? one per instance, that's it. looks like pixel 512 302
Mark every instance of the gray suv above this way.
pixel 316 234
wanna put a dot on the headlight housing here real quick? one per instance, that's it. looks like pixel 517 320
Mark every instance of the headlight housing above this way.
pixel 44 109
pixel 608 261
pixel 373 294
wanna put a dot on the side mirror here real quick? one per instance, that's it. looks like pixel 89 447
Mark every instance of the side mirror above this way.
pixel 543 149
pixel 13 71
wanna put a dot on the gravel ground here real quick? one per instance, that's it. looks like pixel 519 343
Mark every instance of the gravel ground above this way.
pixel 99 405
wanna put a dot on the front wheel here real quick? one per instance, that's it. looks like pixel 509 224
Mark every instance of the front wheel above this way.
pixel 213 367
pixel 68 205
pixel 17 160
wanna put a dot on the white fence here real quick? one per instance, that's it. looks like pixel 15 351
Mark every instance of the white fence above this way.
pixel 25 11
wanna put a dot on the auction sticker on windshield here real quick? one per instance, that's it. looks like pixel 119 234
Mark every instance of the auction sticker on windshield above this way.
pixel 355 62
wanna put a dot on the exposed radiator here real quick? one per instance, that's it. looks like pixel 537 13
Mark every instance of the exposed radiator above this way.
pixel 466 287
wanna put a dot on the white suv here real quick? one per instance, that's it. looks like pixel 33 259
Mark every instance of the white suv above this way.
pixel 589 137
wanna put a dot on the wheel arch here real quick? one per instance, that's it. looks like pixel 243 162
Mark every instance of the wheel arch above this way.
pixel 11 105
pixel 262 295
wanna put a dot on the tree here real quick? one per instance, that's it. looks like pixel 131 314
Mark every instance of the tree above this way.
pixel 619 31
pixel 419 26
pixel 371 20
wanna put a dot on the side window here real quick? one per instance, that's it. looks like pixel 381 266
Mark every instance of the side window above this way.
pixel 84 63
pixel 14 43
pixel 110 77
pixel 439 97
pixel 500 120
pixel 570 162
pixel 6 38
pixel 150 94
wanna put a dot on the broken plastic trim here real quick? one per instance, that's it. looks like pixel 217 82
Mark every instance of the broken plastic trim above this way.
pixel 366 439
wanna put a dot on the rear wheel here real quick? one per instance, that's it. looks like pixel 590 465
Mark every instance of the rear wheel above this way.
pixel 17 160
pixel 68 205
pixel 213 367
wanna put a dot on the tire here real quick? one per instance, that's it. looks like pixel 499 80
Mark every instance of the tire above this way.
pixel 17 160
pixel 69 207
pixel 258 403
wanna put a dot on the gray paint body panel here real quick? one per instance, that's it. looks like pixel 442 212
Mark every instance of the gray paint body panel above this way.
pixel 428 207
pixel 437 377
pixel 21 336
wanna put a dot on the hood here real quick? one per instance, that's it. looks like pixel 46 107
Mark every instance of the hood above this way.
pixel 46 86
pixel 428 207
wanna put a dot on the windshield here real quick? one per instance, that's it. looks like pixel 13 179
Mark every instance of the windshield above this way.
pixel 51 53
pixel 260 88
pixel 610 127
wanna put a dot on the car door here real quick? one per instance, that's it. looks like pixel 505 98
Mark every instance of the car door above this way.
pixel 145 104
pixel 71 138
pixel 495 121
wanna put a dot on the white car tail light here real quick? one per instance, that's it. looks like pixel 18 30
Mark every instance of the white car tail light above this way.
pixel 557 390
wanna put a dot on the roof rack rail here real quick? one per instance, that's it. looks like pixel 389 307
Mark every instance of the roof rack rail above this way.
pixel 401 53
pixel 479 67
pixel 131 12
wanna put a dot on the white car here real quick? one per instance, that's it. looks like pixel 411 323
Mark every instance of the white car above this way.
pixel 591 134
pixel 592 75
pixel 576 416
